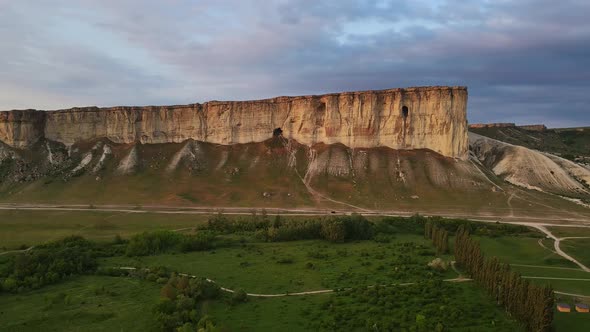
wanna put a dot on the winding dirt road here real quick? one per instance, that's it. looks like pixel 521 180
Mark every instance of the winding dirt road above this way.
pixel 557 240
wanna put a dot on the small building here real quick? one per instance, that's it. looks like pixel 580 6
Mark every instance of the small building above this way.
pixel 563 307
pixel 580 307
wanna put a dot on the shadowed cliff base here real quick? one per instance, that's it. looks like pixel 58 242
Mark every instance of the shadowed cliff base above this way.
pixel 275 173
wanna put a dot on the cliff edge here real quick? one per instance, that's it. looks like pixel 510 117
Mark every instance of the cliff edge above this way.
pixel 410 118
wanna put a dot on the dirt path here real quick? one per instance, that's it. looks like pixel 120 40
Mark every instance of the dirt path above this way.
pixel 314 292
pixel 540 242
pixel 15 251
pixel 558 250
pixel 547 267
pixel 555 278
pixel 164 209
pixel 571 294
pixel 460 278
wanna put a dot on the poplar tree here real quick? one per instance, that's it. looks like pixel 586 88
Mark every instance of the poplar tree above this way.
pixel 530 304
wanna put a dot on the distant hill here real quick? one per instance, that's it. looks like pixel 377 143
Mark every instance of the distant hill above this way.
pixel 569 143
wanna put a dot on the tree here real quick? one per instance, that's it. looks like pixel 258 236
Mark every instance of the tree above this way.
pixel 168 291
pixel 334 231
pixel 529 303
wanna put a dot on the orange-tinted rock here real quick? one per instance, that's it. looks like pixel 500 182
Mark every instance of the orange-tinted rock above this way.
pixel 436 120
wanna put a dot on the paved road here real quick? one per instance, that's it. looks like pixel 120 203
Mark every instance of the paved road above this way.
pixel 163 209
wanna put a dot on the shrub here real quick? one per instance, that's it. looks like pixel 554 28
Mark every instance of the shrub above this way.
pixel 438 264
pixel 334 230
pixel 285 260
pixel 239 296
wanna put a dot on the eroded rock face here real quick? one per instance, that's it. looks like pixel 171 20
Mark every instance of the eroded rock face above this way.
pixel 21 129
pixel 529 168
pixel 412 118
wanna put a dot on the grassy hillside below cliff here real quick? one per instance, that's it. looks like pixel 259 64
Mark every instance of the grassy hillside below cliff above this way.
pixel 275 173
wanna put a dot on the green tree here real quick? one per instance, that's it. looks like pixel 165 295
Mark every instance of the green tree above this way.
pixel 420 322
pixel 334 231
pixel 168 291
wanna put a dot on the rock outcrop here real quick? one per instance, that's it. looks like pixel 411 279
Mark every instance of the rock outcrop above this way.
pixel 492 125
pixel 530 168
pixel 412 118
pixel 534 127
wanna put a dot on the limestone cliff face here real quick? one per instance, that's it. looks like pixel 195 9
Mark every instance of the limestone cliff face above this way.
pixel 21 129
pixel 412 118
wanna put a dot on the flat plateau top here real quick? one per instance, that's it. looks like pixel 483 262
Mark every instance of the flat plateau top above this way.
pixel 279 99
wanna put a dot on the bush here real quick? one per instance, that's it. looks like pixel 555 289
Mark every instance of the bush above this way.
pixel 239 296
pixel 285 260
pixel 177 309
pixel 334 230
pixel 438 264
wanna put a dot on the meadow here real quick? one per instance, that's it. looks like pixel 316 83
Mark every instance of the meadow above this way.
pixel 409 294
pixel 85 303
pixel 22 228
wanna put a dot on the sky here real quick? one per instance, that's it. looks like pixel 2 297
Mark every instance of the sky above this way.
pixel 525 61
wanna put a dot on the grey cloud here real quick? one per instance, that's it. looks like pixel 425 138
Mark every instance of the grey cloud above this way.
pixel 521 59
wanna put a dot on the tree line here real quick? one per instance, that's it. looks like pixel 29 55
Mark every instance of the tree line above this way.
pixel 530 304
pixel 438 235
pixel 49 263
pixel 333 229
pixel 158 242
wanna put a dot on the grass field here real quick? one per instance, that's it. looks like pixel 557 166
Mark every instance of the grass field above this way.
pixel 268 314
pixel 305 312
pixel 523 250
pixel 35 227
pixel 264 267
pixel 570 231
pixel 541 263
pixel 577 248
pixel 301 265
pixel 81 304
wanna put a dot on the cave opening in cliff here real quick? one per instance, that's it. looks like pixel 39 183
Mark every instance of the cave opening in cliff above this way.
pixel 405 111
pixel 277 132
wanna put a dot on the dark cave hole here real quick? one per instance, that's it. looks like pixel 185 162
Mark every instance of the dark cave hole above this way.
pixel 277 132
pixel 405 111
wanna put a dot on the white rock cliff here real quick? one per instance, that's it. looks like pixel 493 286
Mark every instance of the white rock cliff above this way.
pixel 412 118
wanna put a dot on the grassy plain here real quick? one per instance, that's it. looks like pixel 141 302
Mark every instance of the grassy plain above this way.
pixel 523 250
pixel 307 313
pixel 577 248
pixel 88 303
pixel 302 265
pixel 570 231
pixel 261 267
pixel 21 227
pixel 542 265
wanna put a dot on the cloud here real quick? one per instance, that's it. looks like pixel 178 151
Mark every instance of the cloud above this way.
pixel 521 60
